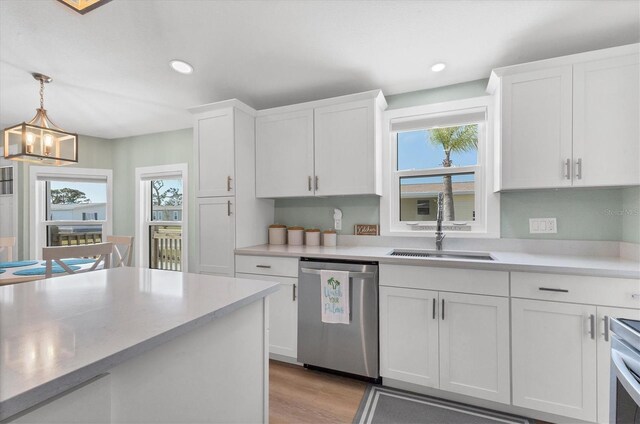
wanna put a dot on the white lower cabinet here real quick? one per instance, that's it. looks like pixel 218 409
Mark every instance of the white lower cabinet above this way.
pixel 215 237
pixel 283 304
pixel 451 341
pixel 554 357
pixel 474 346
pixel 409 335
pixel 87 403
pixel 283 315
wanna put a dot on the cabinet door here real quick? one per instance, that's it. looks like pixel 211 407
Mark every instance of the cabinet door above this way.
pixel 215 235
pixel 409 335
pixel 554 357
pixel 283 315
pixel 346 149
pixel 536 129
pixel 474 346
pixel 284 154
pixel 214 153
pixel 604 355
pixel 606 138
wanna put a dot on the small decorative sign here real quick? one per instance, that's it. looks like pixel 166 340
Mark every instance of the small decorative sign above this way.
pixel 366 230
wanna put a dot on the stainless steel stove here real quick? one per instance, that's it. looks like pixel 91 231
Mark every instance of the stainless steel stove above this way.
pixel 625 371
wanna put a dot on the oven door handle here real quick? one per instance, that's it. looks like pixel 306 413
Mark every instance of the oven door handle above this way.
pixel 625 377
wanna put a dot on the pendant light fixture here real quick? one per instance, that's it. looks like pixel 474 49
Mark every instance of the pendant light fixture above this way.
pixel 39 140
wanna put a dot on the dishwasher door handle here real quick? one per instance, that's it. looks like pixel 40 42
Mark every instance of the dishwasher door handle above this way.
pixel 364 275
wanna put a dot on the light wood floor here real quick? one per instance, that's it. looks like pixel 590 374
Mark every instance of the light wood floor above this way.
pixel 299 395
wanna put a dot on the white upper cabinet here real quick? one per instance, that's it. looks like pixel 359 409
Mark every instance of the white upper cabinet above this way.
pixel 284 154
pixel 606 107
pixel 345 153
pixel 536 129
pixel 569 121
pixel 214 155
pixel 330 147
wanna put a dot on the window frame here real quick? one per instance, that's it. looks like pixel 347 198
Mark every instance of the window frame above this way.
pixel 38 222
pixel 144 213
pixel 487 202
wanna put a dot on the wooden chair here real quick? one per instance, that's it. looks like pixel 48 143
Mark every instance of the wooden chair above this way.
pixel 122 250
pixel 6 244
pixel 101 251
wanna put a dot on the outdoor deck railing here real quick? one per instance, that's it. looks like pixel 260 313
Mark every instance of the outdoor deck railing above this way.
pixel 166 249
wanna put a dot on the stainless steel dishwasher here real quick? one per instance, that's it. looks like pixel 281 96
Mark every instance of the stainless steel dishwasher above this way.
pixel 351 348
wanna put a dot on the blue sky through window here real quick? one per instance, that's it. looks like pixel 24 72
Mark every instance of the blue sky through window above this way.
pixel 416 151
pixel 95 192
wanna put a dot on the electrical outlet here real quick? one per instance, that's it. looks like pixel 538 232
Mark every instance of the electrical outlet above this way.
pixel 543 226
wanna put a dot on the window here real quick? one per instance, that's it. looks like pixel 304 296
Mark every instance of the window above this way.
pixel 439 149
pixel 161 196
pixel 72 206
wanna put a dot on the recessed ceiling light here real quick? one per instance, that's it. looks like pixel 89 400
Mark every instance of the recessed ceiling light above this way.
pixel 181 66
pixel 438 67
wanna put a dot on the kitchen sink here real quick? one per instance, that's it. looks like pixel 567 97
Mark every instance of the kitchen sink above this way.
pixel 441 254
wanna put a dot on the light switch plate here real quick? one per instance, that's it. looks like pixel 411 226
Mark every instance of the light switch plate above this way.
pixel 543 226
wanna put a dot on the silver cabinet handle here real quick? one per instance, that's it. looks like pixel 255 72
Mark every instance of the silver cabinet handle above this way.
pixel 553 290
pixel 229 183
pixel 263 266
pixel 434 309
pixel 579 168
pixel 592 326
pixel 606 320
pixel 567 169
pixel 228 207
pixel 309 183
pixel 442 309
pixel 294 293
pixel 317 178
pixel 635 296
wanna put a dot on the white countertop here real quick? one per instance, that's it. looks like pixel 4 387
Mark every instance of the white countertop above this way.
pixel 59 332
pixel 505 261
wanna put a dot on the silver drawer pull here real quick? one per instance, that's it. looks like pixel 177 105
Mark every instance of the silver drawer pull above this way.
pixel 553 290
pixel 263 266
pixel 567 165
pixel 351 274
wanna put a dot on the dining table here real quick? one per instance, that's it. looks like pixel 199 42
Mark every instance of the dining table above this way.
pixel 13 272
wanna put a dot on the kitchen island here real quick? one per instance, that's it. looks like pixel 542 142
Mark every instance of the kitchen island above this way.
pixel 134 345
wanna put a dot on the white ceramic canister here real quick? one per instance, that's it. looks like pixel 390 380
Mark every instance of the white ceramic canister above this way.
pixel 277 234
pixel 329 238
pixel 312 237
pixel 296 236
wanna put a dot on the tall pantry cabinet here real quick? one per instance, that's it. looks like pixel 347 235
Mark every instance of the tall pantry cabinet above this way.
pixel 228 215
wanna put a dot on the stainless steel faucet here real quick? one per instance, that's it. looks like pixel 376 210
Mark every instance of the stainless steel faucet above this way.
pixel 439 233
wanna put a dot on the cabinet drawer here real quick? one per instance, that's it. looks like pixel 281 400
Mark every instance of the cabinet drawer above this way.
pixel 267 265
pixel 621 292
pixel 471 281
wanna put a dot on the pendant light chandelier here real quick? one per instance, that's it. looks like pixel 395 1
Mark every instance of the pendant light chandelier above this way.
pixel 39 140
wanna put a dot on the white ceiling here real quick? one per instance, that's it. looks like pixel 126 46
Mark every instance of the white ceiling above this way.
pixel 112 78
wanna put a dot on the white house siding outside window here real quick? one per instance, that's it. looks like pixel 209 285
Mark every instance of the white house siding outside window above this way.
pixel 443 148
pixel 71 206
